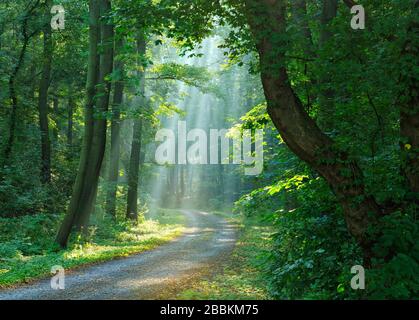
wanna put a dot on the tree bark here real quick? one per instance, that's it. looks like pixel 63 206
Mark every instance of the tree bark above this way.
pixel 115 136
pixel 409 111
pixel 56 111
pixel 299 9
pixel 326 98
pixel 70 123
pixel 100 67
pixel 43 101
pixel 133 171
pixel 267 21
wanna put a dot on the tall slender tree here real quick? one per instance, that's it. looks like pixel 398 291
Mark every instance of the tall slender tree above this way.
pixel 326 98
pixel 98 89
pixel 43 98
pixel 134 164
pixel 13 97
pixel 115 134
pixel 409 110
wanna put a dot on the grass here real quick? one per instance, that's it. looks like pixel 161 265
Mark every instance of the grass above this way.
pixel 243 276
pixel 29 259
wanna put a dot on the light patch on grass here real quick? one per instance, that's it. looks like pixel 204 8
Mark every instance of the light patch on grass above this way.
pixel 116 244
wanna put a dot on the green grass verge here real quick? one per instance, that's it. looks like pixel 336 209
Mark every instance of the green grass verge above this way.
pixel 23 261
pixel 243 276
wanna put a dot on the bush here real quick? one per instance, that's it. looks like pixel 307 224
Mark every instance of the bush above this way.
pixel 313 252
pixel 27 235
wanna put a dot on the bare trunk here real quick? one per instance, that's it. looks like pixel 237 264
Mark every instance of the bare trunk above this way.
pixel 85 188
pixel 7 151
pixel 409 114
pixel 132 200
pixel 115 137
pixel 133 172
pixel 43 103
pixel 299 8
pixel 70 123
pixel 326 99
pixel 56 109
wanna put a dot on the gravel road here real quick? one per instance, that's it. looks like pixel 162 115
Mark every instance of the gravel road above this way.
pixel 154 274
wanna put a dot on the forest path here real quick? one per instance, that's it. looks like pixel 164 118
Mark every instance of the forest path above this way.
pixel 158 273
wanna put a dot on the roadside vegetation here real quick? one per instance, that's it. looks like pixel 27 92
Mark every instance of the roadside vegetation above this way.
pixel 27 249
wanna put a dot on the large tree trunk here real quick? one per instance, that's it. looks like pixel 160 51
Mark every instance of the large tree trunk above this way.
pixel 85 188
pixel 133 171
pixel 43 101
pixel 115 137
pixel 267 21
pixel 409 111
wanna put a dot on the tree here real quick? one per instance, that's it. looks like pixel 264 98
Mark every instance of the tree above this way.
pixel 267 21
pixel 115 134
pixel 26 35
pixel 409 110
pixel 43 98
pixel 98 89
pixel 132 199
pixel 327 105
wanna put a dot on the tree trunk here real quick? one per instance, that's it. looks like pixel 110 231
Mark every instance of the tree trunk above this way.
pixel 133 172
pixel 7 151
pixel 409 112
pixel 132 200
pixel 326 98
pixel 299 9
pixel 56 111
pixel 182 182
pixel 85 188
pixel 43 102
pixel 267 21
pixel 115 137
pixel 70 123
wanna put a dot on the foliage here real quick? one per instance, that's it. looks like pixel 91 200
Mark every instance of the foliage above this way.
pixel 27 250
pixel 353 84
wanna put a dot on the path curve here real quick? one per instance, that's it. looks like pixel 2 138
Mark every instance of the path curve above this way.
pixel 207 240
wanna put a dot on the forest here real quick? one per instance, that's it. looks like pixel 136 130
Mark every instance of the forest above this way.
pixel 92 91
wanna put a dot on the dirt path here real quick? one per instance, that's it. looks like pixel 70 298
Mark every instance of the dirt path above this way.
pixel 154 274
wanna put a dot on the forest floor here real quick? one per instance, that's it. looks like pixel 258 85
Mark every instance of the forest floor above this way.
pixel 164 272
pixel 28 251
